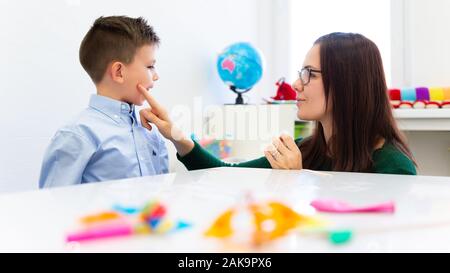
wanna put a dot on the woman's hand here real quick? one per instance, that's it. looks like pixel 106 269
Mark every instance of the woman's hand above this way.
pixel 284 154
pixel 157 115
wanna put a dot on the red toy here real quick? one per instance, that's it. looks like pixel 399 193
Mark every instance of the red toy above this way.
pixel 285 91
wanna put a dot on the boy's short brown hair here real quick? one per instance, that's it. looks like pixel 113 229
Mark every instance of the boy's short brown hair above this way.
pixel 113 38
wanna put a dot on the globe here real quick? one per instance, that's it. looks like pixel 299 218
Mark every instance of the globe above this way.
pixel 240 66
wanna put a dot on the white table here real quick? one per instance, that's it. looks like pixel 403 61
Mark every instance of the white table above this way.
pixel 39 220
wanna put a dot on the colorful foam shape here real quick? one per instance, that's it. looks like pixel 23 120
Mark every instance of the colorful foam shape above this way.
pixel 142 228
pixel 126 210
pixel 394 94
pixel 340 237
pixel 158 212
pixel 182 225
pixel 422 93
pixel 164 226
pixel 408 94
pixel 127 221
pixel 447 93
pixel 154 222
pixel 436 93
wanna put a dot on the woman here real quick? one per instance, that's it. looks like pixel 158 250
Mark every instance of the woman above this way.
pixel 341 86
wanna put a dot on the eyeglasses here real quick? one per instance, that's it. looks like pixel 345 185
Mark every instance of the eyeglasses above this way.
pixel 305 74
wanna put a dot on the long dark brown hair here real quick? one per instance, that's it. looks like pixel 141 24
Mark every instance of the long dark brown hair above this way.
pixel 355 85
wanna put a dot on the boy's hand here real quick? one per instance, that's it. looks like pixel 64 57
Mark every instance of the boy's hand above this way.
pixel 284 154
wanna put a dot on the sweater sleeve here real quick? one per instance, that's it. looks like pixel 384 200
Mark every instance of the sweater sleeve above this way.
pixel 199 158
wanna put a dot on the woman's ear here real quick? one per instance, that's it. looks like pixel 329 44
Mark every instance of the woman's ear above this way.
pixel 117 72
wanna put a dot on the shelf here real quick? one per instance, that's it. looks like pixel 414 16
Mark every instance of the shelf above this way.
pixel 422 113
pixel 423 119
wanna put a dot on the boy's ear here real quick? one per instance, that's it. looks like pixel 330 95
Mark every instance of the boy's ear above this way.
pixel 117 72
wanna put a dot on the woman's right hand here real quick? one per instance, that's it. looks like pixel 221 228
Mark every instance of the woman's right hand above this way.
pixel 284 154
pixel 157 115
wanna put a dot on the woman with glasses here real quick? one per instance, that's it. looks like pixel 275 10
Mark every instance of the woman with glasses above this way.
pixel 342 87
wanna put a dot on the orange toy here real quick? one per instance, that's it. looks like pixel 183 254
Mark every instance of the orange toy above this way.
pixel 270 220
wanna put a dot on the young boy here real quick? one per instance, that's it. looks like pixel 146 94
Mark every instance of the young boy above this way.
pixel 106 141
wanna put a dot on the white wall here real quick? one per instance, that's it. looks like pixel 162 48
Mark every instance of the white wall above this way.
pixel 420 43
pixel 43 85
pixel 313 19
pixel 421 57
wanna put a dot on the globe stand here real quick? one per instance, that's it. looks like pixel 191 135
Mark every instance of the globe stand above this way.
pixel 239 99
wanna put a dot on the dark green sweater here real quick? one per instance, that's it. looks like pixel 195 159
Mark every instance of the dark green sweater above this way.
pixel 387 160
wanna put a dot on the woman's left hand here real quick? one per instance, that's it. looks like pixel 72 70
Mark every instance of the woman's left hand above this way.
pixel 284 154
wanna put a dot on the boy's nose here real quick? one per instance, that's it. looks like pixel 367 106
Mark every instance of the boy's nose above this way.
pixel 155 76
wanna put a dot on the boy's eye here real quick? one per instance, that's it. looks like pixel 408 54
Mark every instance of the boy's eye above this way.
pixel 152 67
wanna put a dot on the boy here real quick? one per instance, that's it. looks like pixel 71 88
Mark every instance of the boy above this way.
pixel 106 141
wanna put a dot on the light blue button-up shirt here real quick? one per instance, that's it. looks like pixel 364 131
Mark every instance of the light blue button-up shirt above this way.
pixel 105 142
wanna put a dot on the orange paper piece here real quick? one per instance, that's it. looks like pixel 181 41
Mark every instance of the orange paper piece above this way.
pixel 271 220
pixel 100 217
pixel 221 228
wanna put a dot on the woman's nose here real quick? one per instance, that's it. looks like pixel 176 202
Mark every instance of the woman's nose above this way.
pixel 298 86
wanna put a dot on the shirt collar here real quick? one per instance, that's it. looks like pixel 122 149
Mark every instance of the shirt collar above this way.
pixel 112 108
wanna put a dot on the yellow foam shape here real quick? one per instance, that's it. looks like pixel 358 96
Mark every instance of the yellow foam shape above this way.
pixel 436 93
pixel 164 226
pixel 142 229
